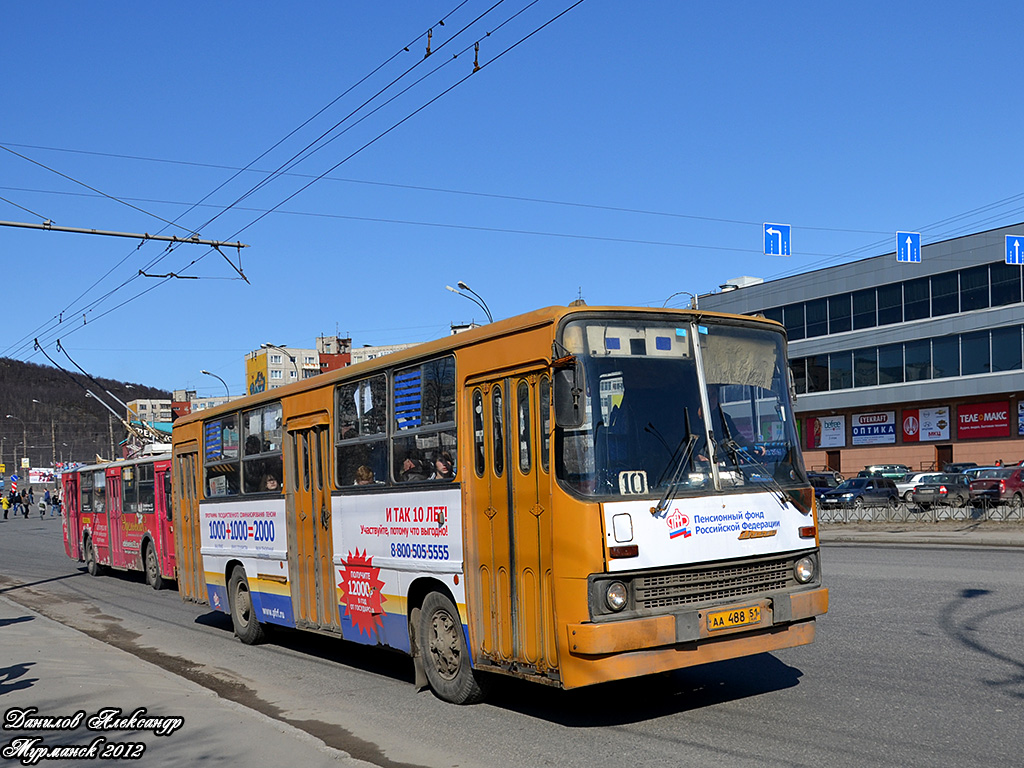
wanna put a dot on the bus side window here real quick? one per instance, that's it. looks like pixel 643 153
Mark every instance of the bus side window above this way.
pixel 423 444
pixel 523 426
pixel 479 459
pixel 497 416
pixel 361 440
pixel 222 459
pixel 545 422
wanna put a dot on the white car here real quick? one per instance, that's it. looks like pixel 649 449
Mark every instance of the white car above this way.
pixel 975 472
pixel 909 482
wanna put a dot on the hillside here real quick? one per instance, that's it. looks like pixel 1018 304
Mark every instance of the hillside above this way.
pixel 50 410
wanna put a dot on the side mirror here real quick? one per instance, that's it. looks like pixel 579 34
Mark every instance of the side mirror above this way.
pixel 570 396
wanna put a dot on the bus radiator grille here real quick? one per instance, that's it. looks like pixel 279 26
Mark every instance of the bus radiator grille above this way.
pixel 710 585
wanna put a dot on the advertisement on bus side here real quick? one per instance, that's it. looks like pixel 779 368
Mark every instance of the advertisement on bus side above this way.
pixel 417 531
pixel 245 527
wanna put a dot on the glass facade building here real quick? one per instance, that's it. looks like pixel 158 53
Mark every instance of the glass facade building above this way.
pixel 930 354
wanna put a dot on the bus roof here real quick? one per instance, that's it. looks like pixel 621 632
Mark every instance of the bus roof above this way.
pixel 505 327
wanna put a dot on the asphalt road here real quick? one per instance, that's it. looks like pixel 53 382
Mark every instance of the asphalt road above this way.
pixel 918 663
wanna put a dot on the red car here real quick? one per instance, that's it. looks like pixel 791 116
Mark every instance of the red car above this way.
pixel 999 486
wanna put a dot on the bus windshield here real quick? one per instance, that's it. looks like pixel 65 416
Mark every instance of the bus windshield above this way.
pixel 697 408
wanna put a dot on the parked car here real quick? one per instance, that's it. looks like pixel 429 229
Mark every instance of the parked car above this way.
pixel 999 486
pixel 952 488
pixel 975 472
pixel 886 470
pixel 822 482
pixel 959 466
pixel 910 481
pixel 861 492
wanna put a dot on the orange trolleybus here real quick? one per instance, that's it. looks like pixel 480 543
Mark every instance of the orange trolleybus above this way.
pixel 570 496
pixel 118 515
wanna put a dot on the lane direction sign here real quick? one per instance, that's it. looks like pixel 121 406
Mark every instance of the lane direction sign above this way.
pixel 1015 249
pixel 908 247
pixel 776 239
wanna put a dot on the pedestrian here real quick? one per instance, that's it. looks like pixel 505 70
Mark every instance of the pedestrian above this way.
pixel 25 504
pixel 15 503
pixel 46 496
pixel 56 503
pixel 42 510
pixel 6 504
pixel 31 497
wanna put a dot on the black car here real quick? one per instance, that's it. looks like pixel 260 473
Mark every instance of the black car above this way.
pixel 959 466
pixel 862 492
pixel 951 489
pixel 822 482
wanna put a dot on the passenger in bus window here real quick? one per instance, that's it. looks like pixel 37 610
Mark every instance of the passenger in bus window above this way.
pixel 444 467
pixel 364 475
pixel 414 468
pixel 270 484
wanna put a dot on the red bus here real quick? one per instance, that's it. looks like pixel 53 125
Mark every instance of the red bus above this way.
pixel 118 515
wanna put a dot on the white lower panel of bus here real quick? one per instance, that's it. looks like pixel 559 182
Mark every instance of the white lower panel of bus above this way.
pixel 704 529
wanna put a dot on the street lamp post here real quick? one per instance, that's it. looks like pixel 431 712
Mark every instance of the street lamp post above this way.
pixel 226 390
pixel 24 435
pixel 53 437
pixel 478 300
pixel 288 354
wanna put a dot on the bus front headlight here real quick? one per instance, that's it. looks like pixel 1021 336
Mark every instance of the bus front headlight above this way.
pixel 803 569
pixel 616 596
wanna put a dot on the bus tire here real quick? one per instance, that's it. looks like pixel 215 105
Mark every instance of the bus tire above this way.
pixel 243 616
pixel 92 565
pixel 442 644
pixel 152 565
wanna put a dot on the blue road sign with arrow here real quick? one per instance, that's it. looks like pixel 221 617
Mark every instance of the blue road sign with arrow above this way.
pixel 776 239
pixel 1015 249
pixel 908 247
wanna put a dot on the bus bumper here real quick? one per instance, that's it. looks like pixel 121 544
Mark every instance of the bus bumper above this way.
pixel 688 630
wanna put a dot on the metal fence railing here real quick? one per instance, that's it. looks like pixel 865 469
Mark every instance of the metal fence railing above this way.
pixel 911 513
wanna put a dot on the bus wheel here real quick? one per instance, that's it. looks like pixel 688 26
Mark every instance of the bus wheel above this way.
pixel 153 577
pixel 247 627
pixel 445 656
pixel 92 565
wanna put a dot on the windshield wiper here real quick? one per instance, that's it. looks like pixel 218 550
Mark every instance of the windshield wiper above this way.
pixel 780 493
pixel 676 466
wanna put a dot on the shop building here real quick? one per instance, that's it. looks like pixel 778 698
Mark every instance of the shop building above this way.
pixel 894 362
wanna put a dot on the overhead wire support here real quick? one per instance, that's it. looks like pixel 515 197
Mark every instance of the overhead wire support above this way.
pixel 171 274
pixel 194 240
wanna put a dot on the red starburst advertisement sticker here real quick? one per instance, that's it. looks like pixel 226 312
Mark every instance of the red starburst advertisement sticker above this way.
pixel 361 592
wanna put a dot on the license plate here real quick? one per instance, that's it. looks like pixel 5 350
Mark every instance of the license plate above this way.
pixel 734 617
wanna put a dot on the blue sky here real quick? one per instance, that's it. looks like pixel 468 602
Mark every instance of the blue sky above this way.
pixel 625 151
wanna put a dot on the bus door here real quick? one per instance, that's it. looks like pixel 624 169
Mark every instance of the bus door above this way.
pixel 116 517
pixel 163 524
pixel 98 515
pixel 188 522
pixel 310 543
pixel 72 515
pixel 509 501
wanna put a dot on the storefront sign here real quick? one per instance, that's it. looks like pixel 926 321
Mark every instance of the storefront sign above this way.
pixel 983 420
pixel 826 432
pixel 925 424
pixel 874 428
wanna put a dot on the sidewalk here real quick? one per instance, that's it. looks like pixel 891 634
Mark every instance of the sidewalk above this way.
pixel 957 533
pixel 59 671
